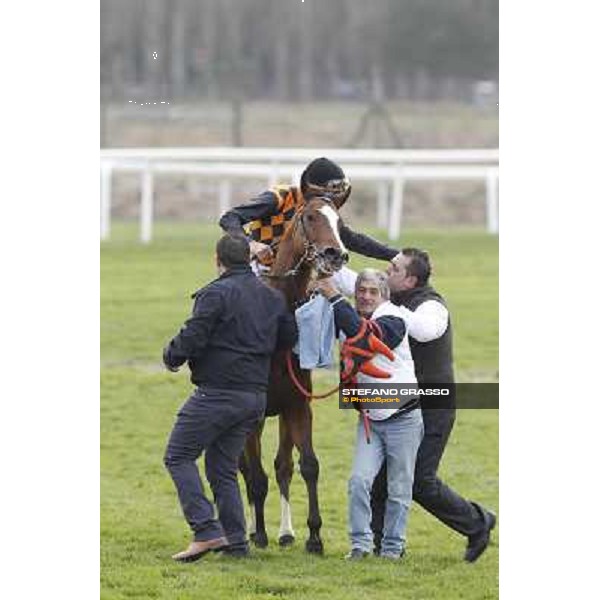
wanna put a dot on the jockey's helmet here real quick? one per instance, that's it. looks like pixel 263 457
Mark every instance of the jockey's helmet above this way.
pixel 323 177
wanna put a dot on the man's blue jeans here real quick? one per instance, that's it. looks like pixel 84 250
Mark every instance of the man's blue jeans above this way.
pixel 397 441
pixel 214 422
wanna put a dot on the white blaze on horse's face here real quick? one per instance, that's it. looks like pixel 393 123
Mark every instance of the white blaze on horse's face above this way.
pixel 333 219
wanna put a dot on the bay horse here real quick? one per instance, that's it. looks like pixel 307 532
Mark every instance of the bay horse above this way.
pixel 310 248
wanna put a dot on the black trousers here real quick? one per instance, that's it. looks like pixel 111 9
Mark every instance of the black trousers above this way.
pixel 217 423
pixel 429 490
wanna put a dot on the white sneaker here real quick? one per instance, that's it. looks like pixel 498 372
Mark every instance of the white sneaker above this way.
pixel 356 554
pixel 392 555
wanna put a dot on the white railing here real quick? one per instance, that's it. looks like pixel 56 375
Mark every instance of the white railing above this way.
pixel 389 169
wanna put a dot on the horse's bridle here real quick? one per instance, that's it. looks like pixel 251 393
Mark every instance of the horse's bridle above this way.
pixel 310 250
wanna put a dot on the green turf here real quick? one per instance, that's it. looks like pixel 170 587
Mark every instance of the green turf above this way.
pixel 145 296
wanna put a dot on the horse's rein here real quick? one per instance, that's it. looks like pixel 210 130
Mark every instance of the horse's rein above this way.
pixel 308 255
pixel 365 419
pixel 308 395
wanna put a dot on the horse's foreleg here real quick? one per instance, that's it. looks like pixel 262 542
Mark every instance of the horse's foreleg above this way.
pixel 284 468
pixel 257 488
pixel 309 468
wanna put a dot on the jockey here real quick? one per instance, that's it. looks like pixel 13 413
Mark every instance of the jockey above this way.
pixel 266 217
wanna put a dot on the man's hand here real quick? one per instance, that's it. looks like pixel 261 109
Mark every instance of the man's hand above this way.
pixel 261 251
pixel 326 287
pixel 166 361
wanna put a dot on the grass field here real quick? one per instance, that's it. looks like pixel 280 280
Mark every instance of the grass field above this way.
pixel 144 298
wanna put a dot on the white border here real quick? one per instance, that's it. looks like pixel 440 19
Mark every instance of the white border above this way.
pixel 548 348
pixel 50 310
pixel 549 420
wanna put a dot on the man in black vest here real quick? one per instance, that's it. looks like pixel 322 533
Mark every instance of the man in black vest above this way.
pixel 430 338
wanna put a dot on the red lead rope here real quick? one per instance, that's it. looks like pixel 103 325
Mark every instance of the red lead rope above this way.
pixel 309 396
pixel 301 388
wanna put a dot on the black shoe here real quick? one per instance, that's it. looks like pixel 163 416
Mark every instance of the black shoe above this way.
pixel 480 541
pixel 356 554
pixel 236 553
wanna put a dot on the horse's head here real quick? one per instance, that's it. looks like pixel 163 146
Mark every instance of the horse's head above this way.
pixel 316 236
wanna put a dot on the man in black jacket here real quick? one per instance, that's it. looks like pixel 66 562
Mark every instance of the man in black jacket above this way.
pixel 430 336
pixel 266 218
pixel 236 325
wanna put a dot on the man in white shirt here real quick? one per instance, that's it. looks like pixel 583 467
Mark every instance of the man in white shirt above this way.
pixel 395 432
pixel 430 336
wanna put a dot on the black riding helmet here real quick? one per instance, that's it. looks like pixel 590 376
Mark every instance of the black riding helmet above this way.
pixel 323 177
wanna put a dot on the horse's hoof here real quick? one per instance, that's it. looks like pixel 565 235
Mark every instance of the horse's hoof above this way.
pixel 260 540
pixel 286 540
pixel 314 546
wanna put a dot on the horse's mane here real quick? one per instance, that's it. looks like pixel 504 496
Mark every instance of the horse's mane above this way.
pixel 285 243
